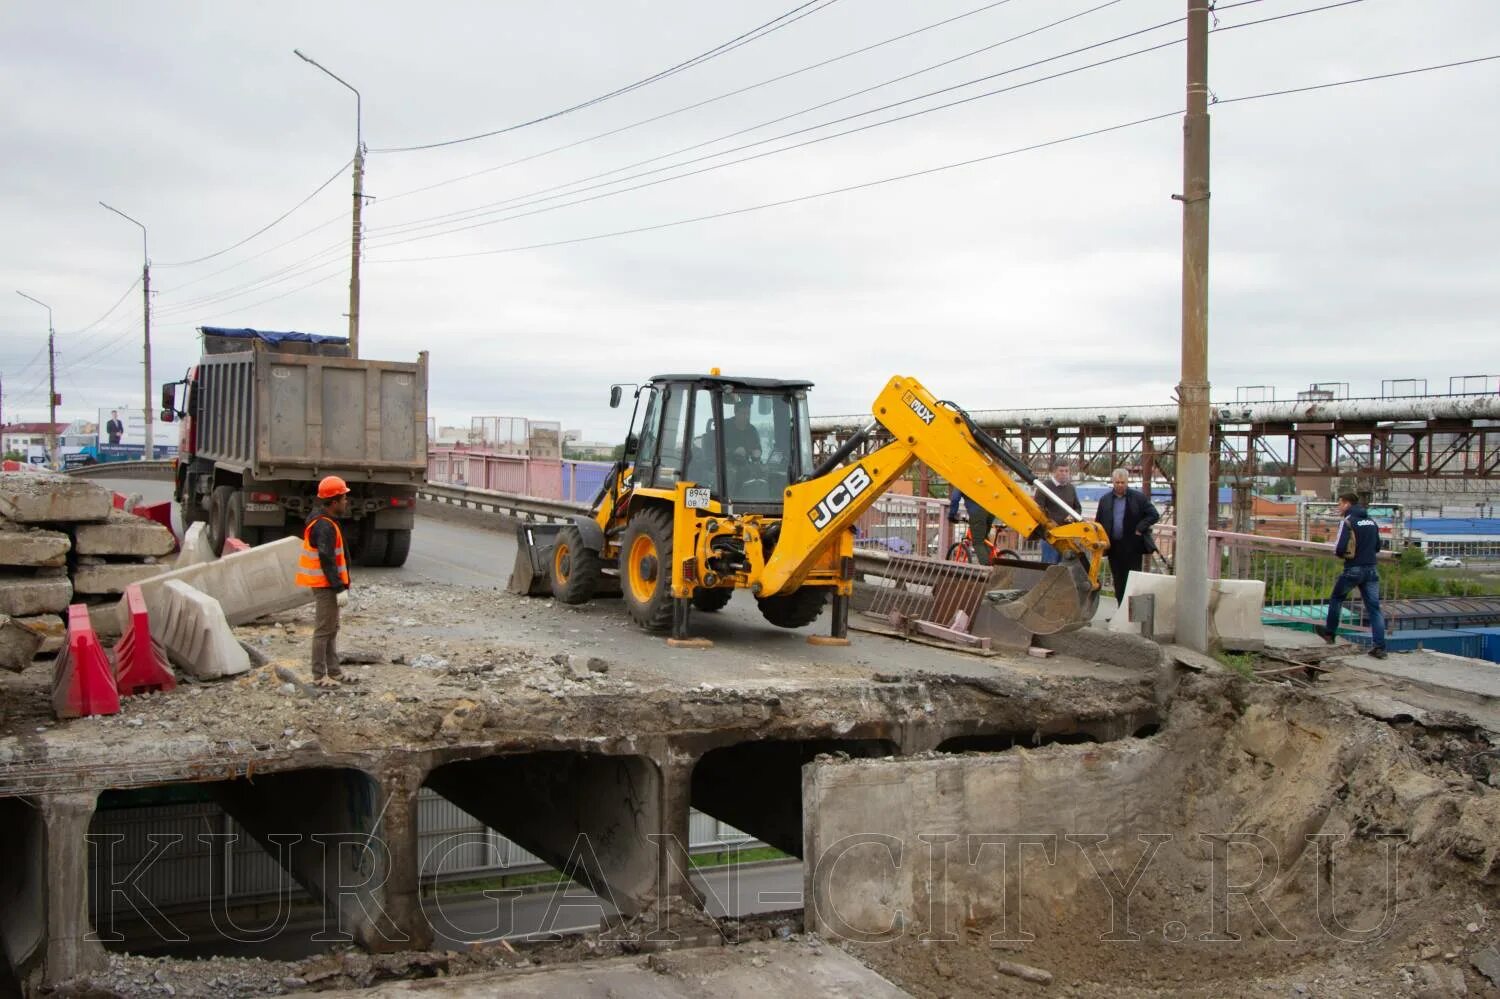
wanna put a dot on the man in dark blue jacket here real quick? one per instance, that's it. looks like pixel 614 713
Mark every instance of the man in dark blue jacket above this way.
pixel 1127 515
pixel 1358 544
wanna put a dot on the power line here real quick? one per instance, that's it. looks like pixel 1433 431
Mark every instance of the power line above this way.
pixel 774 25
pixel 813 141
pixel 268 226
pixel 340 217
pixel 110 311
pixel 698 104
pixel 501 204
pixel 942 168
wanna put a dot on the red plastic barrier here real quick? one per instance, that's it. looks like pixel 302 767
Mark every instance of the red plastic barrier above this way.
pixel 120 499
pixel 83 683
pixel 140 665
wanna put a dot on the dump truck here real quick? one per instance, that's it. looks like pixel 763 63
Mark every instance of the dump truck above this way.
pixel 264 415
pixel 718 490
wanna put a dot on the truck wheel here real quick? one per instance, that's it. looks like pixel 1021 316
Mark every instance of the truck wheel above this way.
pixel 399 548
pixel 796 609
pixel 218 517
pixel 575 569
pixel 711 600
pixel 234 521
pixel 372 545
pixel 646 568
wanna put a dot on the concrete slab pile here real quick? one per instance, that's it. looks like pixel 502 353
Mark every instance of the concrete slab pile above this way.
pixel 62 540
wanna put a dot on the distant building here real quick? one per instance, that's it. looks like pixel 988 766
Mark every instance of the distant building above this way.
pixel 21 437
pixel 1464 537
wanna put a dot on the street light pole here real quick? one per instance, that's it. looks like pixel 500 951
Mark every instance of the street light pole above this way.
pixel 150 449
pixel 356 233
pixel 51 381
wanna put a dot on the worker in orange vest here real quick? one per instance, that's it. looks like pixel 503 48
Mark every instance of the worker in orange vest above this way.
pixel 324 568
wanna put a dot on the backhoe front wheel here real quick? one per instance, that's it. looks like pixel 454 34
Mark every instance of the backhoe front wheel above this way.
pixel 797 609
pixel 646 568
pixel 575 569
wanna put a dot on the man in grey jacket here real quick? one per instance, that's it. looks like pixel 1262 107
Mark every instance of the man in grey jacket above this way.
pixel 1061 484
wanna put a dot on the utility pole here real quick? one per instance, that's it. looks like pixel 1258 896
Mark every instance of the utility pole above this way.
pixel 356 234
pixel 1193 487
pixel 51 382
pixel 149 408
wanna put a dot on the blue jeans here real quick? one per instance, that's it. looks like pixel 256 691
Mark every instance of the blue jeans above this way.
pixel 1367 579
pixel 1050 555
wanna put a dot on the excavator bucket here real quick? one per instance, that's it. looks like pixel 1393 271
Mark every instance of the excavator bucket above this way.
pixel 1063 599
pixel 532 576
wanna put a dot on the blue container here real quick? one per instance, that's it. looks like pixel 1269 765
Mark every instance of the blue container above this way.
pixel 1489 642
pixel 1457 643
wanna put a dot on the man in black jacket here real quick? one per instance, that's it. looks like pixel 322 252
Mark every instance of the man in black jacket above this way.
pixel 1127 515
pixel 1061 485
pixel 1358 545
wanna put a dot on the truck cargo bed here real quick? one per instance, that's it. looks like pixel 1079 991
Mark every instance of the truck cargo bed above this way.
pixel 277 414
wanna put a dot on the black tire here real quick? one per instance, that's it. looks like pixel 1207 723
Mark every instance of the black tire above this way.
pixel 960 552
pixel 218 517
pixel 709 601
pixel 372 546
pixel 575 569
pixel 398 548
pixel 796 609
pixel 234 521
pixel 646 568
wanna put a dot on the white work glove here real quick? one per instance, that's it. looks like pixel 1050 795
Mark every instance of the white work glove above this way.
pixel 343 598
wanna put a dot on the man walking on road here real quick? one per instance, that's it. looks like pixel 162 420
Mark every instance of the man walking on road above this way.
pixel 1358 545
pixel 1127 515
pixel 324 569
pixel 1062 486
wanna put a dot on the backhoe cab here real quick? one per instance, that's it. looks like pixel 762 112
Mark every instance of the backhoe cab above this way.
pixel 717 491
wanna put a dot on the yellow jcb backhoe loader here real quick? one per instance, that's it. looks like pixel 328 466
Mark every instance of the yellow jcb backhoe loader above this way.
pixel 717 491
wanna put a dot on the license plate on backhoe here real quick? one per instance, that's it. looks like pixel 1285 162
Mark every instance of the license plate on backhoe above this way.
pixel 697 499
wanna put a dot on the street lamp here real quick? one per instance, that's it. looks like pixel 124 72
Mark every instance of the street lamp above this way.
pixel 51 381
pixel 150 450
pixel 359 200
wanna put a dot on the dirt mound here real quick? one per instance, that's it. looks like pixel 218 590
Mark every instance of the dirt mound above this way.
pixel 1295 847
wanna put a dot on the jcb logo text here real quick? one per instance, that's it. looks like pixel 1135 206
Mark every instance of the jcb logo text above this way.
pixel 840 496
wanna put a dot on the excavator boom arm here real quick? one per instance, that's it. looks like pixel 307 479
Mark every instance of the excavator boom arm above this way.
pixel 818 510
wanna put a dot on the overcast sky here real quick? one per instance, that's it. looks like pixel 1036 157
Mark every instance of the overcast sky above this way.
pixel 1354 229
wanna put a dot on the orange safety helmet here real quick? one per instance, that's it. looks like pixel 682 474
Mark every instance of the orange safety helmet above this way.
pixel 332 486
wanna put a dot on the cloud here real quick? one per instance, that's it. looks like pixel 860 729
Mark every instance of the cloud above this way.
pixel 1352 228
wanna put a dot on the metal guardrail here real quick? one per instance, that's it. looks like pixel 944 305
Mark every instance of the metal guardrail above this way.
pixel 507 504
pixel 125 470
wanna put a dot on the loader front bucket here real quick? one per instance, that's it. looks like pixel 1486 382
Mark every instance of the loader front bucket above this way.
pixel 532 576
pixel 1063 599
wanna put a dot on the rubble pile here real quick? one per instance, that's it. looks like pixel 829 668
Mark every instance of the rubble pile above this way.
pixel 61 542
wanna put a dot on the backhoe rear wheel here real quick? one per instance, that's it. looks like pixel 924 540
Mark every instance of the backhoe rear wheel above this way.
pixel 797 609
pixel 575 569
pixel 711 600
pixel 646 568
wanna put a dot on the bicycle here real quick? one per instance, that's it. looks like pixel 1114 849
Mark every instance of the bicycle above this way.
pixel 962 550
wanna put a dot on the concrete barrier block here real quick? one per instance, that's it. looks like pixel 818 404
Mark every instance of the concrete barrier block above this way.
pixel 247 585
pixel 19 644
pixel 42 498
pixel 24 596
pixel 124 534
pixel 190 625
pixel 32 546
pixel 112 577
pixel 1164 621
pixel 195 547
pixel 1235 622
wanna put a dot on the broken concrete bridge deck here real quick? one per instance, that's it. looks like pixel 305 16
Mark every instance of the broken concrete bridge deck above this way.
pixel 546 722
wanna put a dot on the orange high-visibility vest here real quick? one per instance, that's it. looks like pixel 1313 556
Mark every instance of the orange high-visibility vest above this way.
pixel 310 569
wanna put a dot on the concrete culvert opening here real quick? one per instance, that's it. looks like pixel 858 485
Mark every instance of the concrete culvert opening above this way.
pixel 545 818
pixel 23 898
pixel 757 786
pixel 285 865
pixel 1262 840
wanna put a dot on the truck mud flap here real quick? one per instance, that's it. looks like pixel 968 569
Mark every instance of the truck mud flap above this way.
pixel 532 575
